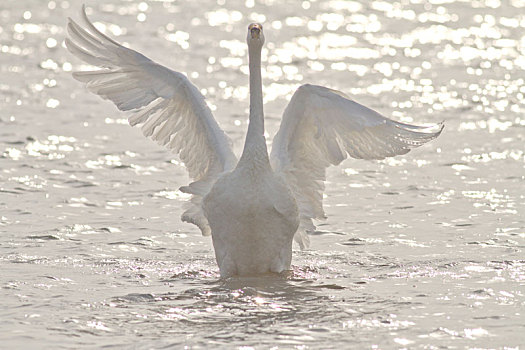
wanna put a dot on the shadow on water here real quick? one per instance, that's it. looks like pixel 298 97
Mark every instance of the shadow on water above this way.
pixel 235 308
pixel 256 290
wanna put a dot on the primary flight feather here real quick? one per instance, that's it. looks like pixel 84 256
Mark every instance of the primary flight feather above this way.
pixel 254 207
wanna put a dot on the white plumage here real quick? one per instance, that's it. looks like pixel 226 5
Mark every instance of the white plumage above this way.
pixel 255 207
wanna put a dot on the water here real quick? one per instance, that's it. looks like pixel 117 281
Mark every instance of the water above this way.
pixel 419 251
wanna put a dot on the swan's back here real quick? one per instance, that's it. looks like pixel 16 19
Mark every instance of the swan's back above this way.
pixel 253 217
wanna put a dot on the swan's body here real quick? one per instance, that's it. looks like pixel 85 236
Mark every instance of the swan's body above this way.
pixel 251 210
pixel 256 207
pixel 253 218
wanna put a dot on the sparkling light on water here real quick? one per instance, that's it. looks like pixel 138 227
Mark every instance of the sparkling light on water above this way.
pixel 419 251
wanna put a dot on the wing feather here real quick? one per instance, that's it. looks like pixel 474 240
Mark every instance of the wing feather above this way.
pixel 322 127
pixel 167 106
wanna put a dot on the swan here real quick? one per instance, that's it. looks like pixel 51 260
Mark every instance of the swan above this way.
pixel 254 207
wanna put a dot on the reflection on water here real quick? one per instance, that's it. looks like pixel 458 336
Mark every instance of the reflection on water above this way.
pixel 419 251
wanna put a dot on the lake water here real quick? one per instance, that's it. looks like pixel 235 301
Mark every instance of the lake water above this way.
pixel 420 251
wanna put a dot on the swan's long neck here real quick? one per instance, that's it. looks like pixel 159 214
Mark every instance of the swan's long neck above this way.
pixel 255 153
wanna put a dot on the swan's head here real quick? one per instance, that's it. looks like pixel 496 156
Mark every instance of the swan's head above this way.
pixel 255 34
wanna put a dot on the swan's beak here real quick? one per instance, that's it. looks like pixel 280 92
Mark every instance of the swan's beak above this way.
pixel 255 30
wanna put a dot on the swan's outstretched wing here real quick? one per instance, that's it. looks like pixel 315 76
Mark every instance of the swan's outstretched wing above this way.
pixel 169 108
pixel 321 127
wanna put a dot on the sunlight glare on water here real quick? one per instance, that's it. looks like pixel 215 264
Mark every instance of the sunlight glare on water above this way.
pixel 419 251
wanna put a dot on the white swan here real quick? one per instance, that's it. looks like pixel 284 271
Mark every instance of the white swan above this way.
pixel 255 207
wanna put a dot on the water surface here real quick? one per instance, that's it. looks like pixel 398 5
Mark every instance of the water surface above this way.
pixel 419 251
